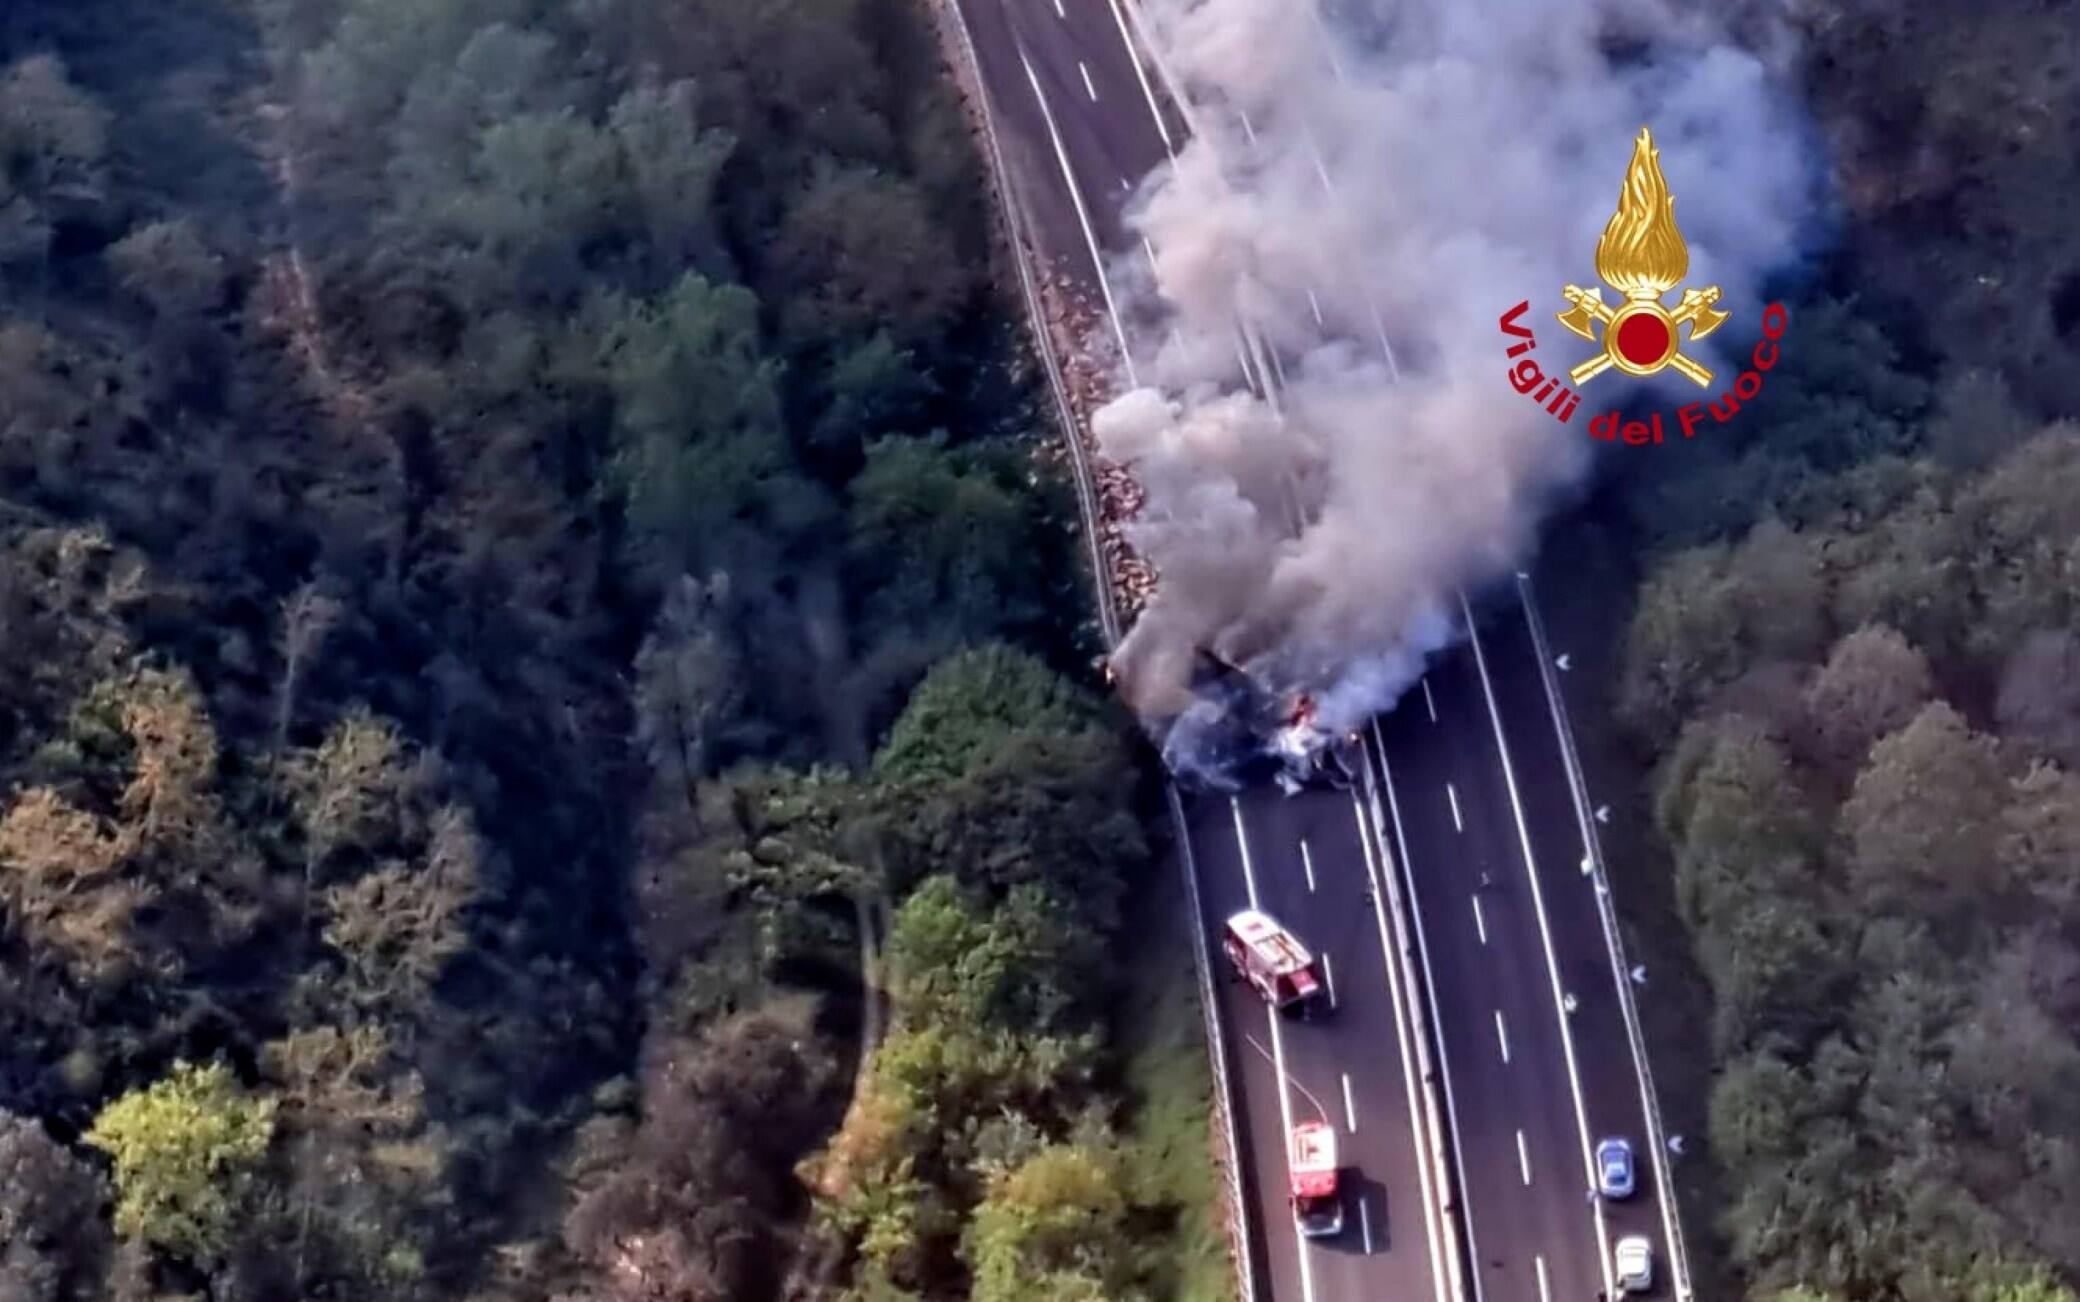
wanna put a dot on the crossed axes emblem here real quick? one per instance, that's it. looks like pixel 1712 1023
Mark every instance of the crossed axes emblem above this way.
pixel 1588 309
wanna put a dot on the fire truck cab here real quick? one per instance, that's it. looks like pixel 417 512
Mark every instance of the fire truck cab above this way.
pixel 1267 956
pixel 1317 1201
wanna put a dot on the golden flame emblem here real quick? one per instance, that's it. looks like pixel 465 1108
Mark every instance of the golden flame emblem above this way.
pixel 1642 256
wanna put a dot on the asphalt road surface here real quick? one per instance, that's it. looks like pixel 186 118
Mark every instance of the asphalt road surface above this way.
pixel 1309 861
pixel 1467 800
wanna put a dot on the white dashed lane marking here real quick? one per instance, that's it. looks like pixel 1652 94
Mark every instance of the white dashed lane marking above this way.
pixel 1088 84
pixel 1452 794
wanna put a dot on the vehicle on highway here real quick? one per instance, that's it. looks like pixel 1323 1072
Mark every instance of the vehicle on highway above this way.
pixel 1614 1168
pixel 1317 1201
pixel 1634 1262
pixel 1237 733
pixel 1266 955
pixel 1309 754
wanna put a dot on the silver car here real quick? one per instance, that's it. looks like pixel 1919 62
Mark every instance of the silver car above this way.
pixel 1614 1168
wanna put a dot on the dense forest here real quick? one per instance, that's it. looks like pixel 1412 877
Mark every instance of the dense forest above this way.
pixel 525 569
pixel 1855 662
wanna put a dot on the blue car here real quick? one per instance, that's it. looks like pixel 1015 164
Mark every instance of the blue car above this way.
pixel 1614 1168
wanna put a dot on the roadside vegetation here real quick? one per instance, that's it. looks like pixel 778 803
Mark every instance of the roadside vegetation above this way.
pixel 525 565
pixel 1855 661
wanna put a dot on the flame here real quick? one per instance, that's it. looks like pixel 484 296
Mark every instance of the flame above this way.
pixel 1642 254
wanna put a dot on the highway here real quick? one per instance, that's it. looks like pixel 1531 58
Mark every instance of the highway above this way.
pixel 1469 819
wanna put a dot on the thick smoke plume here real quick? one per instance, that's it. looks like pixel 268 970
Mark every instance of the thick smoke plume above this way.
pixel 1361 197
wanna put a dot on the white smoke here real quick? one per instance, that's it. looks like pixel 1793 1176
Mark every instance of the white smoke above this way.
pixel 1464 160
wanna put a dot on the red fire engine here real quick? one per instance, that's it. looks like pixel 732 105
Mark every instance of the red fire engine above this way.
pixel 1317 1203
pixel 1267 956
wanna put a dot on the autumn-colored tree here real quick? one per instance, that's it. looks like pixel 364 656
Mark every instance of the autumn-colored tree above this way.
pixel 361 1160
pixel 397 926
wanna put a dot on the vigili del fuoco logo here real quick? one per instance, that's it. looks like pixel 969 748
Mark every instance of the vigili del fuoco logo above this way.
pixel 1642 256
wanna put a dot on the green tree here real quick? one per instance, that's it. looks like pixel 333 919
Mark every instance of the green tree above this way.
pixel 2038 843
pixel 1916 821
pixel 1908 570
pixel 2022 537
pixel 860 252
pixel 1047 809
pixel 1022 966
pixel 674 165
pixel 686 683
pixel 168 265
pixel 53 1236
pixel 702 458
pixel 1055 1229
pixel 1684 641
pixel 186 1151
pixel 2039 699
pixel 2034 1285
pixel 1873 683
pixel 53 149
pixel 945 540
pixel 963 708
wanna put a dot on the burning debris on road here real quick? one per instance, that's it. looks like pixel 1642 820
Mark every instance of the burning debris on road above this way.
pixel 1078 336
pixel 1323 456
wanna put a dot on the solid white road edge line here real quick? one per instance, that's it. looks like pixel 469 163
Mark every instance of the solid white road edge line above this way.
pixel 1278 1051
pixel 1224 1069
pixel 1285 1114
pixel 1375 869
pixel 1545 933
pixel 1444 1062
pixel 1141 75
pixel 1664 1186
pixel 1249 876
pixel 1083 218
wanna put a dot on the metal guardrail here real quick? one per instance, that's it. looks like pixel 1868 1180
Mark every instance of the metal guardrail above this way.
pixel 1621 971
pixel 1447 1162
pixel 1217 1051
pixel 1043 342
pixel 1236 1205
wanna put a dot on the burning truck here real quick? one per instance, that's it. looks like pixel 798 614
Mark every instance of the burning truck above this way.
pixel 1234 733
